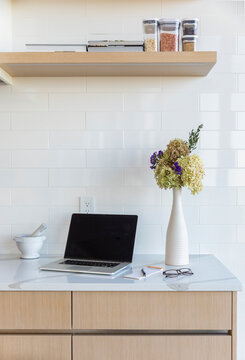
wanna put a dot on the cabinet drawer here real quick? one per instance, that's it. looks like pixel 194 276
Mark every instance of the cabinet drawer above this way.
pixel 152 347
pixel 152 310
pixel 35 347
pixel 35 310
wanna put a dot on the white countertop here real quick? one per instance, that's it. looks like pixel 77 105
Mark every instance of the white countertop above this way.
pixel 209 275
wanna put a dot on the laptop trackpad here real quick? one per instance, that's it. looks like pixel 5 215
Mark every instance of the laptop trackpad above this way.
pixel 80 268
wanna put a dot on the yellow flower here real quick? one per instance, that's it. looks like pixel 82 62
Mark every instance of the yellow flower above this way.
pixel 192 172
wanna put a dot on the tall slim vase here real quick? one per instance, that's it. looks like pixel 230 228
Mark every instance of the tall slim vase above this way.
pixel 177 249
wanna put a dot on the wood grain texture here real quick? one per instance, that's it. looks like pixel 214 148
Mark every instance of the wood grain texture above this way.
pixel 234 326
pixel 108 64
pixel 152 347
pixel 35 310
pixel 152 310
pixel 35 347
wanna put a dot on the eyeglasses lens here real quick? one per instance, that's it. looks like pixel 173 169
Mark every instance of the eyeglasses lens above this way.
pixel 171 273
pixel 185 271
pixel 174 273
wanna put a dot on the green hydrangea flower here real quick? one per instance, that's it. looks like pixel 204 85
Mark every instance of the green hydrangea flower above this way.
pixel 166 177
pixel 192 172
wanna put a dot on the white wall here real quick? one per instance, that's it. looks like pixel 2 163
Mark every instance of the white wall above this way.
pixel 62 138
pixel 5 25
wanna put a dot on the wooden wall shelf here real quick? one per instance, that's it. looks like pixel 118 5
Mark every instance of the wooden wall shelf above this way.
pixel 29 64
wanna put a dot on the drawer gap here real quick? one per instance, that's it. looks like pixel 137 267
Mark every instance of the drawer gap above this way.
pixel 115 332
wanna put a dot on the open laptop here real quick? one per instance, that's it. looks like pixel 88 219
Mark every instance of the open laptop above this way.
pixel 98 244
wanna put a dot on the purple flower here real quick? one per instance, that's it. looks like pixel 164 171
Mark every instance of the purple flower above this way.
pixel 177 168
pixel 154 159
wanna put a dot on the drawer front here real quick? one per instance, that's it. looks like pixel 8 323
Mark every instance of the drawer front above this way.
pixel 35 310
pixel 152 347
pixel 152 310
pixel 35 347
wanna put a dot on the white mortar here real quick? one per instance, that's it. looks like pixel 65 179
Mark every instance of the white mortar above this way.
pixel 30 246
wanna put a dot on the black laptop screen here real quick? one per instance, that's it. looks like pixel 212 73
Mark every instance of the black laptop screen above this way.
pixel 101 237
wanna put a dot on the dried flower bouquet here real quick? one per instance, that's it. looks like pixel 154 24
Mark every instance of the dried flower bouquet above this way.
pixel 175 167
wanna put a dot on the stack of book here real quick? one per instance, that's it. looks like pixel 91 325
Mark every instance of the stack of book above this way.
pixel 57 47
pixel 93 46
pixel 115 46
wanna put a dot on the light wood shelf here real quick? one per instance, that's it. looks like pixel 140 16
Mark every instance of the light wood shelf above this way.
pixel 30 64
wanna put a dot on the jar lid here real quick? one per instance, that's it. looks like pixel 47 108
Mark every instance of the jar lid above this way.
pixel 189 37
pixel 150 21
pixel 169 21
pixel 190 21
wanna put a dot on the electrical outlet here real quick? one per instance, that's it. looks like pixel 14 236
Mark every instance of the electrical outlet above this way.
pixel 86 204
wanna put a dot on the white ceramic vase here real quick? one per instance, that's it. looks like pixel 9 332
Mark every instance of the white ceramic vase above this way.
pixel 177 249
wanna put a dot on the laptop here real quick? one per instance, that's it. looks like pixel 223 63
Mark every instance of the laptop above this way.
pixel 98 244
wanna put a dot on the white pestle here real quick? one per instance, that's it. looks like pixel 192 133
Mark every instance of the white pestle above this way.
pixel 39 230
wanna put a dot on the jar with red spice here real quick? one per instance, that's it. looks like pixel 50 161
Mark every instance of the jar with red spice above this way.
pixel 169 34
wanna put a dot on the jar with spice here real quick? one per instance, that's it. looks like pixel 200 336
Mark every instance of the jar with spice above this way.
pixel 169 34
pixel 189 26
pixel 150 27
pixel 189 42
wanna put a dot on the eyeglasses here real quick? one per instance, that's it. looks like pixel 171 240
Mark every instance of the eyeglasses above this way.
pixel 172 273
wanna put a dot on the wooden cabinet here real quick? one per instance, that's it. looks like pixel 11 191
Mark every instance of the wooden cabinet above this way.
pixel 149 325
pixel 35 310
pixel 152 310
pixel 35 347
pixel 156 347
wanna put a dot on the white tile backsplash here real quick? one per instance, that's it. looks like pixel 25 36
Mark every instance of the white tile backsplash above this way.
pixel 30 196
pixel 5 159
pixel 24 140
pixel 145 139
pixel 5 120
pixel 70 177
pixel 241 120
pixel 225 139
pixel 24 102
pixel 62 138
pixel 23 178
pixel 86 139
pixel 210 102
pixel 104 120
pixel 49 85
pixel 5 197
pixel 143 102
pixel 48 158
pixel 123 85
pixel 53 120
pixel 85 102
pixel 218 158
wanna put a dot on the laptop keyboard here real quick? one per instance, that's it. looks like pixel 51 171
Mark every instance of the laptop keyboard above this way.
pixel 89 263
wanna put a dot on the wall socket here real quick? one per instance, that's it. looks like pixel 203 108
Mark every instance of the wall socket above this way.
pixel 86 204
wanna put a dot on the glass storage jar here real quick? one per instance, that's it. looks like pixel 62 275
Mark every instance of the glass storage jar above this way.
pixel 169 34
pixel 150 27
pixel 189 26
pixel 189 42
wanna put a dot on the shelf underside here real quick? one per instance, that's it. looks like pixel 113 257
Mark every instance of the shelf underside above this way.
pixel 27 64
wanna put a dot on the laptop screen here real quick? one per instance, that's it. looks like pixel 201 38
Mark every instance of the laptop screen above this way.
pixel 101 237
